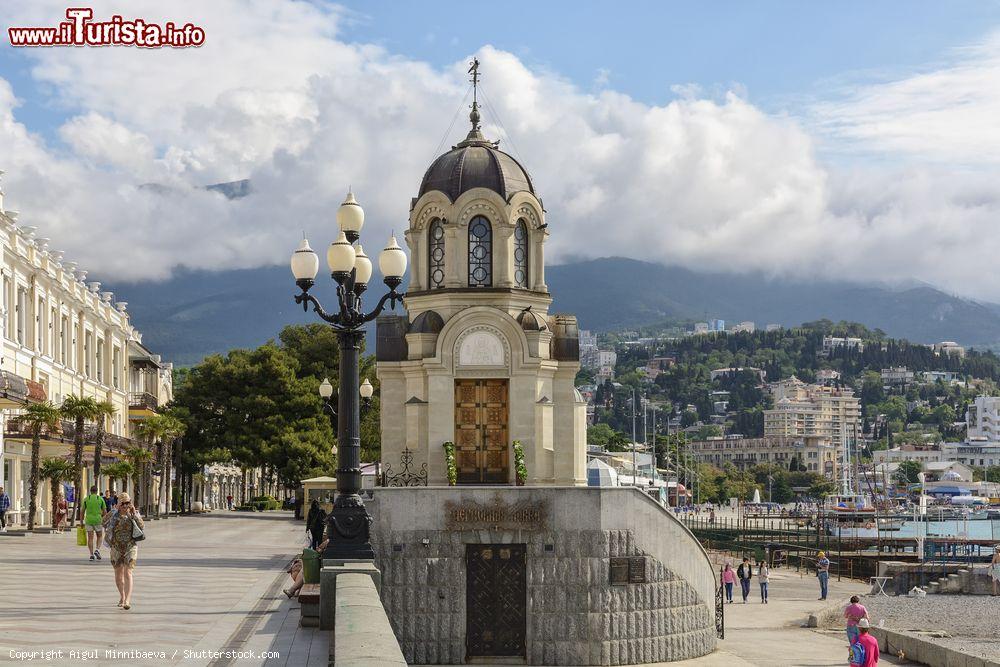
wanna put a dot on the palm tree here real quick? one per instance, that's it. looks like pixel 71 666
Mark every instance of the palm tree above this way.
pixel 80 409
pixel 160 431
pixel 37 417
pixel 56 470
pixel 103 410
pixel 173 428
pixel 120 470
pixel 139 458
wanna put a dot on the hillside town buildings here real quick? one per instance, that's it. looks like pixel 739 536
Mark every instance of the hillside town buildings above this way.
pixel 831 343
pixel 62 335
pixel 807 410
pixel 816 454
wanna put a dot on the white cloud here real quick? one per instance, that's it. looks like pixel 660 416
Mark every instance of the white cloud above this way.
pixel 281 95
pixel 946 113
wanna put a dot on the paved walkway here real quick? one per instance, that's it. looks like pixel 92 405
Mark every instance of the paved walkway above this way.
pixel 204 584
pixel 771 634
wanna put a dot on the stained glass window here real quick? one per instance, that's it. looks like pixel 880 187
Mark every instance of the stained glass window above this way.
pixel 435 253
pixel 480 252
pixel 521 255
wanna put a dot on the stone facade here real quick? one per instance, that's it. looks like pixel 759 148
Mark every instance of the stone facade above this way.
pixel 575 616
pixel 477 308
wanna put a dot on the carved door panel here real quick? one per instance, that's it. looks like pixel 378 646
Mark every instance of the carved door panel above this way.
pixel 494 425
pixel 467 432
pixel 481 448
pixel 495 600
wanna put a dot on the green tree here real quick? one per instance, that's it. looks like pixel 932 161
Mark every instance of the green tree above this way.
pixel 599 435
pixel 139 458
pixel 80 409
pixel 119 470
pixel 38 417
pixel 57 471
pixel 103 411
pixel 907 472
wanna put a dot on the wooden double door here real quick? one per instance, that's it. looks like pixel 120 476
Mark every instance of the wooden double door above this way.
pixel 482 453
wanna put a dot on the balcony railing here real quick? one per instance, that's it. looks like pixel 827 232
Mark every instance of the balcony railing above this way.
pixel 15 428
pixel 142 400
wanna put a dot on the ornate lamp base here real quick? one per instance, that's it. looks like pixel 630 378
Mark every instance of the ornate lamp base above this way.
pixel 348 528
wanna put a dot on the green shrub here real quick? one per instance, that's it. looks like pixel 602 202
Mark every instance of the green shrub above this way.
pixel 520 469
pixel 245 508
pixel 449 460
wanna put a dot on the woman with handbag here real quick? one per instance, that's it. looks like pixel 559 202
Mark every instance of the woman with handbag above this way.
pixel 124 531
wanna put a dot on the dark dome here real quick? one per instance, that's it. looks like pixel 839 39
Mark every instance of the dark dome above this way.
pixel 427 322
pixel 531 321
pixel 476 163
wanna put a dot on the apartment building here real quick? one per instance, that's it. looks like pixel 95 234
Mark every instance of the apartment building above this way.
pixel 983 419
pixel 817 454
pixel 59 335
pixel 810 410
pixel 831 343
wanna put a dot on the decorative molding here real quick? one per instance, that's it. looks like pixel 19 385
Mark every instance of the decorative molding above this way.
pixel 527 211
pixel 427 213
pixel 482 208
pixel 482 346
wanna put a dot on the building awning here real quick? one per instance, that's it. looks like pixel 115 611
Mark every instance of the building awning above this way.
pixel 948 491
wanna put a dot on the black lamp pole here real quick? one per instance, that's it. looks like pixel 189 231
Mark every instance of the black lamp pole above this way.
pixel 348 526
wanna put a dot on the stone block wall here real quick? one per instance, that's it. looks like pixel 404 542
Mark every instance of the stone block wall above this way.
pixel 574 615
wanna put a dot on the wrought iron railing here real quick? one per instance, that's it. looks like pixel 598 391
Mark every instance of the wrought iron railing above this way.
pixel 405 477
pixel 16 428
pixel 142 400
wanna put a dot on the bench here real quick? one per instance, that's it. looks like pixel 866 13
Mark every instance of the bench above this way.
pixel 309 601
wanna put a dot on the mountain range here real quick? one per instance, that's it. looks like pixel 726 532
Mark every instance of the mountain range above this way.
pixel 196 313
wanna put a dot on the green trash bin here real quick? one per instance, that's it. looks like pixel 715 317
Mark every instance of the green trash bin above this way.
pixel 310 566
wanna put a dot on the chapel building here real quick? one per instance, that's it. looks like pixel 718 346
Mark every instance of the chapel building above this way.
pixel 478 360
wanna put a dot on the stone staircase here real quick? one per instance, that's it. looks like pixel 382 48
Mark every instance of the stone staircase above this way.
pixel 964 581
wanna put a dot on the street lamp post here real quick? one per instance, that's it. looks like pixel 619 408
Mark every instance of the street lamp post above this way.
pixel 348 526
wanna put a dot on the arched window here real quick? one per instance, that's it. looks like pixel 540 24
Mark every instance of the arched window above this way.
pixel 480 252
pixel 521 255
pixel 435 255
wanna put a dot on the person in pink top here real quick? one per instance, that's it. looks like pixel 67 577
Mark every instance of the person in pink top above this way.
pixel 864 652
pixel 854 612
pixel 728 578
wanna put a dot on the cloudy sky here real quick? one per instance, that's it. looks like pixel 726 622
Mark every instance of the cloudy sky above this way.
pixel 851 141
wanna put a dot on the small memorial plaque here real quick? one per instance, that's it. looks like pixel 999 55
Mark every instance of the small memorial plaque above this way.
pixel 619 571
pixel 637 570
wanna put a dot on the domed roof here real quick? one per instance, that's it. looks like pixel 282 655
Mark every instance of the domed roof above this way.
pixel 531 321
pixel 427 322
pixel 476 163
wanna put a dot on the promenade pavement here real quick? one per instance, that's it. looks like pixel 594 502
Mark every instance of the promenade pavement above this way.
pixel 771 634
pixel 204 585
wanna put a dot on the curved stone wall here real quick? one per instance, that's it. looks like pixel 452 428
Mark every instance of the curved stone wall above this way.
pixel 575 616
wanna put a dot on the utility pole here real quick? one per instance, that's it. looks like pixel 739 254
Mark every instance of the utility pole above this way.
pixel 634 471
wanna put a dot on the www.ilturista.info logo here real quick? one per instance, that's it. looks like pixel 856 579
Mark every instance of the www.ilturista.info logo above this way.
pixel 81 30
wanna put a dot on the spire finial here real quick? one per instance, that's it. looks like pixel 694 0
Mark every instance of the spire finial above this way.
pixel 474 116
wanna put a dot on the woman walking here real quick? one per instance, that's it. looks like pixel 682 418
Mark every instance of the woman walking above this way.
pixel 762 574
pixel 121 526
pixel 728 578
pixel 62 509
pixel 315 524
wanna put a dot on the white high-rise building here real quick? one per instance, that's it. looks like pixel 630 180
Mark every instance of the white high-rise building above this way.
pixel 983 419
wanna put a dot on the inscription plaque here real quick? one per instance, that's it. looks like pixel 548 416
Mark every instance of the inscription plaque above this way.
pixel 628 570
pixel 498 515
pixel 619 571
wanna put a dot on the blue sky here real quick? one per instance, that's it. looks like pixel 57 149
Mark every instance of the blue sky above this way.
pixel 774 49
pixel 863 135
pixel 777 52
